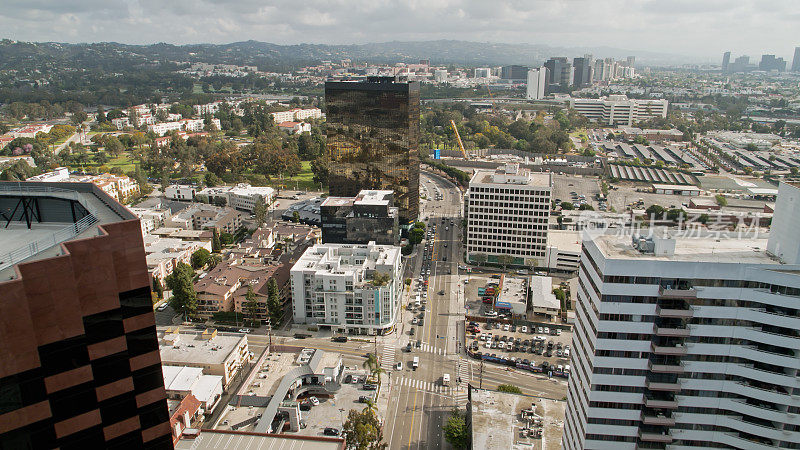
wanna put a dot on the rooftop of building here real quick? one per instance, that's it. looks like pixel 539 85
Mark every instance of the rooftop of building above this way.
pixel 542 293
pixel 193 347
pixel 337 201
pixel 224 439
pixel 493 417
pixel 368 197
pixel 565 240
pixel 180 378
pixel 228 274
pixel 335 257
pixel 706 248
pixel 511 174
pixel 180 233
pixel 20 242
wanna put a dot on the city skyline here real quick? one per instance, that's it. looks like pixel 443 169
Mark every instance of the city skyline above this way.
pixel 671 26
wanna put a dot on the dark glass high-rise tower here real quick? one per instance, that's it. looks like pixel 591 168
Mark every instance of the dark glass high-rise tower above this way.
pixel 373 139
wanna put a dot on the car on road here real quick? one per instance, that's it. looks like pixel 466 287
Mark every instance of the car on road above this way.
pixel 244 330
pixel 301 336
pixel 441 292
pixel 411 332
pixel 339 339
pixel 162 307
pixel 348 379
pixel 364 399
pixel 329 431
pixel 370 387
pixel 314 401
pixel 490 313
pixel 409 347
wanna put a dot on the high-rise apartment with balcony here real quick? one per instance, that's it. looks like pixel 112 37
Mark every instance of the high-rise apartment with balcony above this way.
pixel 373 139
pixel 348 288
pixel 507 212
pixel 79 360
pixel 688 342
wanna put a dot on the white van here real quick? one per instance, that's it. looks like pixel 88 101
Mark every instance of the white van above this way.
pixel 415 363
pixel 446 379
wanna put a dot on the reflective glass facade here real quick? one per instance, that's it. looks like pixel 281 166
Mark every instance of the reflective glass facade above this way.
pixel 373 139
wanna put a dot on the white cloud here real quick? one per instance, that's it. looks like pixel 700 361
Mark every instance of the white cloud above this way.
pixel 691 27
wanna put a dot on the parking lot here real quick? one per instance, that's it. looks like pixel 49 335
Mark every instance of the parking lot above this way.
pixel 565 185
pixel 521 343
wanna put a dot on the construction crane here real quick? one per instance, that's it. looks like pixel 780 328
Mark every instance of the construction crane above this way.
pixel 458 138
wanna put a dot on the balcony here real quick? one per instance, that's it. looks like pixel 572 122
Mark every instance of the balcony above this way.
pixel 675 312
pixel 658 419
pixel 677 349
pixel 654 437
pixel 659 386
pixel 670 292
pixel 665 367
pixel 660 403
pixel 666 331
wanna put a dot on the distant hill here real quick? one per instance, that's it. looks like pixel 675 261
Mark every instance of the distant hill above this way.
pixel 111 56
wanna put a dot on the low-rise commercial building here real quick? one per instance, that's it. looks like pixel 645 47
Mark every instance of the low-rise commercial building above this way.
pixel 563 251
pixel 164 254
pixel 618 109
pixel 348 288
pixel 200 216
pixel 508 211
pixel 180 192
pixel 184 381
pixel 216 354
pixel 243 196
pixel 370 216
pixel 542 300
pixel 296 114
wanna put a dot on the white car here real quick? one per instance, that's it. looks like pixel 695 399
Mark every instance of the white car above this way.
pixel 414 321
pixel 244 330
pixel 524 329
pixel 488 344
pixel 541 330
pixel 546 330
pixel 482 337
pixel 501 345
pixel 400 365
pixel 490 313
pixel 314 401
pixel 506 327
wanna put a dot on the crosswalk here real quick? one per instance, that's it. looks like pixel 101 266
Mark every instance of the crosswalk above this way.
pixel 430 348
pixel 464 374
pixel 432 387
pixel 387 355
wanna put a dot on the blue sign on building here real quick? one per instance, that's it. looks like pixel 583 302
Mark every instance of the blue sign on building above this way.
pixel 437 153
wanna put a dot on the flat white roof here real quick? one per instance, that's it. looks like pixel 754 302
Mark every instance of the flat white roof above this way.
pixel 180 378
pixel 676 187
pixel 688 249
pixel 542 293
pixel 565 240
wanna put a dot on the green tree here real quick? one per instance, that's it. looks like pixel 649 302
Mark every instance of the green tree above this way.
pixel 212 179
pixel 509 388
pixel 416 235
pixel 586 207
pixel 78 117
pixel 654 211
pixel 456 431
pixel 251 305
pixel 158 288
pixel 676 214
pixel 295 216
pixel 479 258
pixel 101 157
pixel 274 306
pixel 114 146
pixel 200 258
pixel 362 431
pixel 320 168
pixel 216 244
pixel 260 211
pixel 181 283
pixel 567 206
pixel 721 200
pixel 226 238
pixel 505 260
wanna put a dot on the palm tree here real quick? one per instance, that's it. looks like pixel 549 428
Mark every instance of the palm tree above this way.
pixel 377 372
pixel 371 362
pixel 371 406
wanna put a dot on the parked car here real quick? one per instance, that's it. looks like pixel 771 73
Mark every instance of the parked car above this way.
pixel 348 378
pixel 329 431
pixel 524 329
pixel 370 387
pixel 364 399
pixel 314 401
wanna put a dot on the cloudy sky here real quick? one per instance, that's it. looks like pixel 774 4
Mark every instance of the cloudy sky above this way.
pixel 703 28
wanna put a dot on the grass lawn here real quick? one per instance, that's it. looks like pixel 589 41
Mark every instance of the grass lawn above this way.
pixel 304 180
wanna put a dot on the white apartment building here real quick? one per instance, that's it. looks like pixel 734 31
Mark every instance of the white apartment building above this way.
pixel 297 114
pixel 618 110
pixel 338 286
pixel 180 192
pixel 507 214
pixel 537 80
pixel 121 122
pixel 242 196
pixel 208 108
pixel 440 75
pixel 687 342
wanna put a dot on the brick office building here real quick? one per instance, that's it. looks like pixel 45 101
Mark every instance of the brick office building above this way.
pixel 79 359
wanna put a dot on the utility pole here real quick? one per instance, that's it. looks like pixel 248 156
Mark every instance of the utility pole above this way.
pixel 481 383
